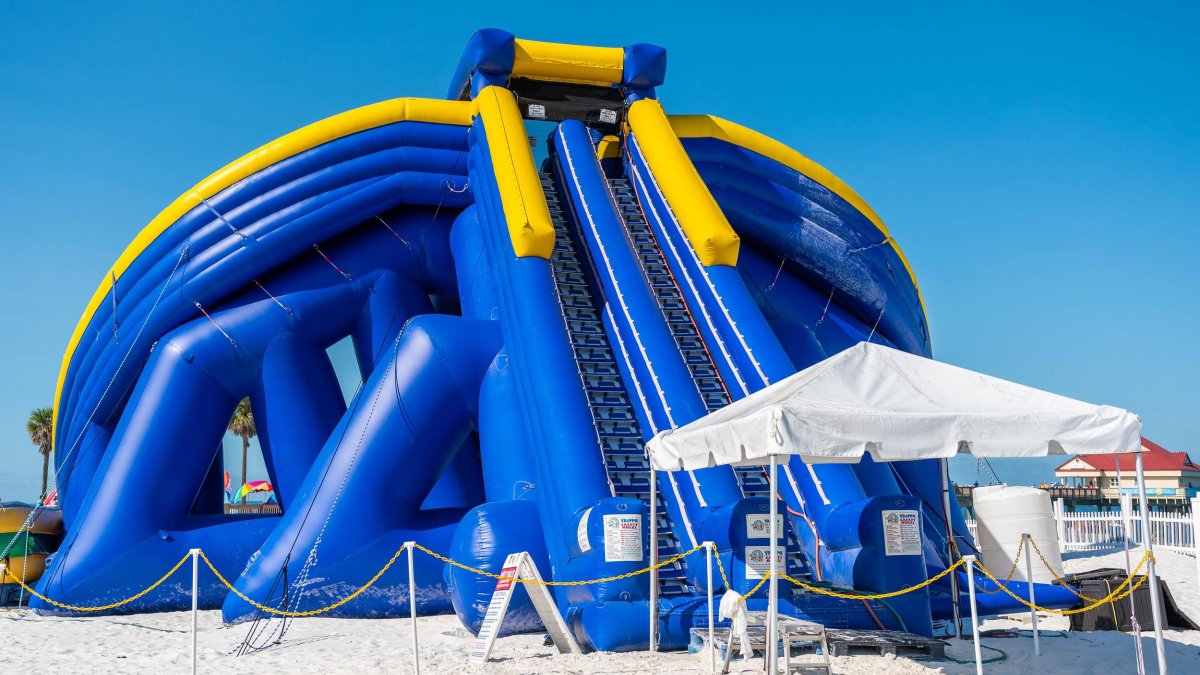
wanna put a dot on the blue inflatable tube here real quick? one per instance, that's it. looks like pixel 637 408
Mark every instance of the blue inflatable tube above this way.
pixel 315 194
pixel 207 365
pixel 403 429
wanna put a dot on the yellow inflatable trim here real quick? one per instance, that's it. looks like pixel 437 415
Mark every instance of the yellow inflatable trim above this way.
pixel 609 148
pixel 568 63
pixel 350 122
pixel 699 215
pixel 521 194
pixel 707 126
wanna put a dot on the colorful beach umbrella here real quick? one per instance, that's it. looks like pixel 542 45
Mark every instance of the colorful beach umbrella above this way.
pixel 252 487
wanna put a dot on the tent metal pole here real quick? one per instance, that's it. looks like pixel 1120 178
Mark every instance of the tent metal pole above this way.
pixel 1155 600
pixel 1125 501
pixel 772 583
pixel 653 559
pixel 945 466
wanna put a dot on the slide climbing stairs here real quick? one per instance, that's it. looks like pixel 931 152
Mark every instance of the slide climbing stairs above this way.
pixel 619 432
pixel 752 479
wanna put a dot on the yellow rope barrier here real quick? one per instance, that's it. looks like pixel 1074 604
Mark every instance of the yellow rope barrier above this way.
pixel 1066 584
pixel 729 586
pixel 1011 572
pixel 311 612
pixel 112 605
pixel 875 596
pixel 1118 593
pixel 673 559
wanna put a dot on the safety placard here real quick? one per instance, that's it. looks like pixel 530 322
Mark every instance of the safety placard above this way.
pixel 758 525
pixel 623 538
pixel 519 566
pixel 758 561
pixel 901 532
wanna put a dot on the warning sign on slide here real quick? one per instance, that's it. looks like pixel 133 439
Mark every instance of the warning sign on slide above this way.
pixel 758 525
pixel 901 533
pixel 623 538
pixel 758 561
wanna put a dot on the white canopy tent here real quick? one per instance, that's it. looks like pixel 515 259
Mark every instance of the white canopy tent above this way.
pixel 897 406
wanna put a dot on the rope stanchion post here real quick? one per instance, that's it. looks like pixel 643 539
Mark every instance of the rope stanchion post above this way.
pixel 709 549
pixel 1037 645
pixel 412 606
pixel 195 553
pixel 970 561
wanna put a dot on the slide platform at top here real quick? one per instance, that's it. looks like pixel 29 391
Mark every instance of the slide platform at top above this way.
pixel 521 326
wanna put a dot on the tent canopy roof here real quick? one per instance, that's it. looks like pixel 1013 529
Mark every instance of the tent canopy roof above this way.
pixel 895 406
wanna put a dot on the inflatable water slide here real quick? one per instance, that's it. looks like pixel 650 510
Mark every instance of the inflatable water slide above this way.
pixel 521 329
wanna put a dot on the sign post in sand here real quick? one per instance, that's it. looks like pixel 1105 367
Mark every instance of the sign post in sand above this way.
pixel 518 567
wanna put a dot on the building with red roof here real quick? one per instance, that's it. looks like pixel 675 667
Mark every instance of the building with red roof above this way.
pixel 1168 474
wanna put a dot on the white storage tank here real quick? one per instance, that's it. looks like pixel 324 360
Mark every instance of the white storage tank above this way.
pixel 1003 513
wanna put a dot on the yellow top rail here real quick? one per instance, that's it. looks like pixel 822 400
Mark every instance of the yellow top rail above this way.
pixel 576 64
pixel 521 193
pixel 698 214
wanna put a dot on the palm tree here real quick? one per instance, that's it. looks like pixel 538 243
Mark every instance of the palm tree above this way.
pixel 242 426
pixel 40 427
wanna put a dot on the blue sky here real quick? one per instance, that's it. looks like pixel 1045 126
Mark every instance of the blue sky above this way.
pixel 1040 165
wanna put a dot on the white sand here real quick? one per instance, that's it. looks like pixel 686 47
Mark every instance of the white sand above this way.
pixel 161 643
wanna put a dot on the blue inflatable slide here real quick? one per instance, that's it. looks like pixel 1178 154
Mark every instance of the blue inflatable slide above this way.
pixel 537 274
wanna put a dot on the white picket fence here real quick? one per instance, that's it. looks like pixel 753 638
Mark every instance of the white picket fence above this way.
pixel 1102 531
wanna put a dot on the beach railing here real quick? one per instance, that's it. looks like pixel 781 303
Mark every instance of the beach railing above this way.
pixel 242 509
pixel 1105 530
